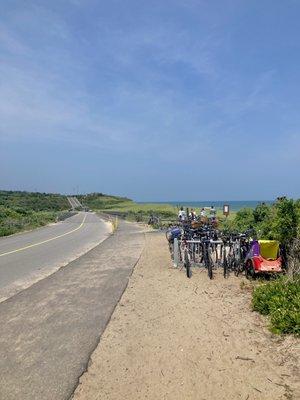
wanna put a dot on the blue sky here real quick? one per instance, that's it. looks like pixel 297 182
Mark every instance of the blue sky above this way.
pixel 155 100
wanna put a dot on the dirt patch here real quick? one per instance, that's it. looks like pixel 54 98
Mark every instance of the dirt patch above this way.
pixel 176 338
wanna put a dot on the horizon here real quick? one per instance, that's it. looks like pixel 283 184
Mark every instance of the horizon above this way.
pixel 148 201
pixel 152 100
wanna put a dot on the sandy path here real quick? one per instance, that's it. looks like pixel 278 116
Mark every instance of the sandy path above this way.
pixel 174 338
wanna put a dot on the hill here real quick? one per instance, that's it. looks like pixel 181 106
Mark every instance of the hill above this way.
pixel 100 201
pixel 127 208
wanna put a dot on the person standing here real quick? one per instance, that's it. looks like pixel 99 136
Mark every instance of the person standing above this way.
pixel 193 215
pixel 212 212
pixel 181 215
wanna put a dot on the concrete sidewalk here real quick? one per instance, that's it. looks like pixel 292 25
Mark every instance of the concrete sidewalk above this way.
pixel 49 330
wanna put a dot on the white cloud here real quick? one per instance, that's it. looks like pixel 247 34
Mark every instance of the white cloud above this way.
pixel 38 100
pixel 45 87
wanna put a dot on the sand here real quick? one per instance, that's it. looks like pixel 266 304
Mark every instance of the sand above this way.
pixel 176 338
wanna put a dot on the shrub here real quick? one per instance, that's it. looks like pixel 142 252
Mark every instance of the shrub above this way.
pixel 261 213
pixel 33 201
pixel 16 220
pixel 286 221
pixel 293 257
pixel 280 300
pixel 244 220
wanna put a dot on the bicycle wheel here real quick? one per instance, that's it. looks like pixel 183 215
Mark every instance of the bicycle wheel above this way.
pixel 239 269
pixel 171 249
pixel 234 266
pixel 194 252
pixel 210 269
pixel 225 265
pixel 249 270
pixel 209 264
pixel 181 253
pixel 187 264
pixel 240 262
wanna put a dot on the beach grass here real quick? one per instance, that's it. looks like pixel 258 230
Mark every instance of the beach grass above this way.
pixel 133 211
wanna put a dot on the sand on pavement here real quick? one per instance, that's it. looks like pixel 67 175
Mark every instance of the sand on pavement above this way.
pixel 176 338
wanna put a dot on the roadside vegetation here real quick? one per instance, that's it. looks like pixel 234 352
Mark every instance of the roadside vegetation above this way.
pixel 21 211
pixel 279 299
pixel 17 220
pixel 280 221
pixel 33 201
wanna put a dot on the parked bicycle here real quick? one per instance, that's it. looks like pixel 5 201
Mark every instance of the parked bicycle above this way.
pixel 205 246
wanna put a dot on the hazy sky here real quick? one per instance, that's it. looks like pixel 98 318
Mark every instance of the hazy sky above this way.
pixel 155 100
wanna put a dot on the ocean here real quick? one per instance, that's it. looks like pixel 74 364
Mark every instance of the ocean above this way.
pixel 233 204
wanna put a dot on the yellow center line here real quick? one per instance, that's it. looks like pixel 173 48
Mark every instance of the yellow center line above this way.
pixel 45 241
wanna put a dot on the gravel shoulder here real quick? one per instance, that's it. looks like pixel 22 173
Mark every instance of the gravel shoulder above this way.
pixel 174 338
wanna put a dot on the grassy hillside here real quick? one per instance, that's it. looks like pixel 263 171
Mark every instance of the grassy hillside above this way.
pixel 33 201
pixel 126 207
pixel 100 201
pixel 135 211
pixel 21 211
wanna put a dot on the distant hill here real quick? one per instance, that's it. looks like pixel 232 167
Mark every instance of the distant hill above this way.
pixel 127 208
pixel 101 201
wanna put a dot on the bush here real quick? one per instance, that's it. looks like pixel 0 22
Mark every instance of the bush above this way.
pixel 244 220
pixel 280 220
pixel 33 201
pixel 286 221
pixel 13 220
pixel 294 257
pixel 280 300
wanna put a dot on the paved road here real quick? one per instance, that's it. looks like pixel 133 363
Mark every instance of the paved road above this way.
pixel 27 257
pixel 48 331
pixel 74 202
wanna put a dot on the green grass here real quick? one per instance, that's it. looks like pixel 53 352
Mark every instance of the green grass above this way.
pixel 161 210
pixel 33 201
pixel 280 300
pixel 138 212
pixel 17 220
pixel 100 201
pixel 21 211
pixel 127 208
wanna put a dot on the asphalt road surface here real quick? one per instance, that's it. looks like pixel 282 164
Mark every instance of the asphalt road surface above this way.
pixel 49 330
pixel 74 202
pixel 27 257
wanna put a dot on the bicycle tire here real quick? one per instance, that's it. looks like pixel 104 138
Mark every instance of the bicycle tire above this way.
pixel 249 270
pixel 187 264
pixel 209 265
pixel 239 269
pixel 236 269
pixel 225 266
pixel 210 270
pixel 234 266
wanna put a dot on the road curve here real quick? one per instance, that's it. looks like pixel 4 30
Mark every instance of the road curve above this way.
pixel 30 256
